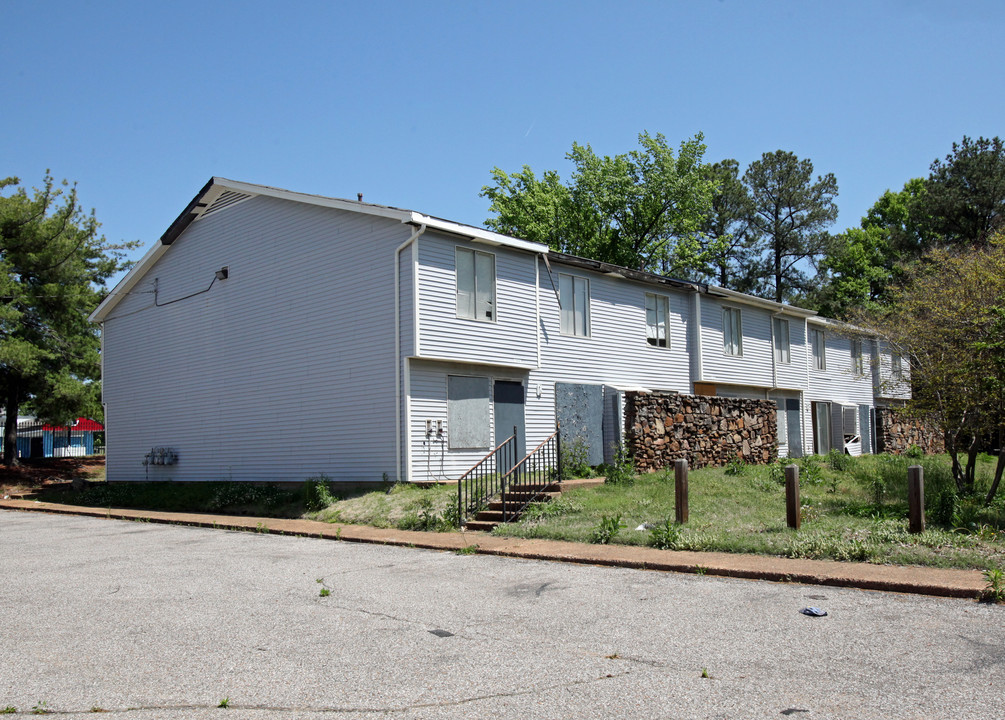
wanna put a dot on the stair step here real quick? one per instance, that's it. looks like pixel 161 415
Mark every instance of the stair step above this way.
pixel 480 526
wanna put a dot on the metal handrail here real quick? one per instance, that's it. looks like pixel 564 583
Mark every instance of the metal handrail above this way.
pixel 484 480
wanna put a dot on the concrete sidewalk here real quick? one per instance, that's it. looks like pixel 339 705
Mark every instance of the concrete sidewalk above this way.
pixel 907 579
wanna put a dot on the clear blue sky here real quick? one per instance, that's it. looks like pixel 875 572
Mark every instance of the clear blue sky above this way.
pixel 414 103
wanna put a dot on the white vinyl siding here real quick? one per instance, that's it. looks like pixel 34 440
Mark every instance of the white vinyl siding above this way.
pixel 476 284
pixel 818 342
pixel 510 339
pixel 657 320
pixel 574 293
pixel 732 331
pixel 282 371
pixel 780 336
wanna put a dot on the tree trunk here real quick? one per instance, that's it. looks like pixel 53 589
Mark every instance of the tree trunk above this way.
pixel 11 404
pixel 999 467
pixel 972 453
pixel 951 438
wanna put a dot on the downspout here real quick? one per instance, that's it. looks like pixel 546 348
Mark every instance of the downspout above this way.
pixel 399 363
pixel 698 366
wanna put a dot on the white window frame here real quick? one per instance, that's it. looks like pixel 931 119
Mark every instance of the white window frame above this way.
pixel 818 347
pixel 857 363
pixel 472 301
pixel 779 332
pixel 732 332
pixel 571 287
pixel 654 325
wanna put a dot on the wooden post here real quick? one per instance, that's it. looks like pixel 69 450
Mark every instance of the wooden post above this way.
pixel 792 496
pixel 916 498
pixel 680 495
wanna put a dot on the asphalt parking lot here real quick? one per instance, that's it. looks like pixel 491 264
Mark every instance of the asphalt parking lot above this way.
pixel 159 621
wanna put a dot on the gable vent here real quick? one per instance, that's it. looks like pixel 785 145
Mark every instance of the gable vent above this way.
pixel 226 199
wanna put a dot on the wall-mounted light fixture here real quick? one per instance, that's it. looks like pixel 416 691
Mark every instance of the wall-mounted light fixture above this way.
pixel 223 273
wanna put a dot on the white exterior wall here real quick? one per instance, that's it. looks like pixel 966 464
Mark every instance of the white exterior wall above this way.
pixel 528 327
pixel 754 366
pixel 884 384
pixel 838 384
pixel 282 371
pixel 508 340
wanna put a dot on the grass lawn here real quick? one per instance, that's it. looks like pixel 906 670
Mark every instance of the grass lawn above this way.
pixel 852 509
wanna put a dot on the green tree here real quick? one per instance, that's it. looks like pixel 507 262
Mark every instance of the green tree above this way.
pixel 964 202
pixel 727 228
pixel 54 265
pixel 790 213
pixel 863 263
pixel 641 209
pixel 949 319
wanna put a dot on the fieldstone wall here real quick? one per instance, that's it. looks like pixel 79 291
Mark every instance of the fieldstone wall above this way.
pixel 896 432
pixel 706 431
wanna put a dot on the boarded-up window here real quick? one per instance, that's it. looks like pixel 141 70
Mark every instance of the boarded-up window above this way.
pixel 467 412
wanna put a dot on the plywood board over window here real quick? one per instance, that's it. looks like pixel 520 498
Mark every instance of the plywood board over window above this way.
pixel 467 412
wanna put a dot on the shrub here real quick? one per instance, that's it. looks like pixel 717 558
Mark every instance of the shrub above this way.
pixel 317 493
pixel 837 460
pixel 621 471
pixel 606 530
pixel 666 535
pixel 575 458
pixel 736 467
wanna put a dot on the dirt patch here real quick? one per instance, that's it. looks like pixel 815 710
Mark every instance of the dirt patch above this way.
pixel 36 473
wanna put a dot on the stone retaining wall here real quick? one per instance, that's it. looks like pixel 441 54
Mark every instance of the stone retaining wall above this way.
pixel 706 431
pixel 896 433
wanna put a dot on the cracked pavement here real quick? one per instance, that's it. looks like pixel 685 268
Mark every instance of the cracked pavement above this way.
pixel 160 621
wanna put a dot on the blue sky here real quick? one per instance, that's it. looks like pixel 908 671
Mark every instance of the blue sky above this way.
pixel 414 103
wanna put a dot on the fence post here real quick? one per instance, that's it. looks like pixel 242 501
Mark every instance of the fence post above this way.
pixel 680 490
pixel 792 496
pixel 916 498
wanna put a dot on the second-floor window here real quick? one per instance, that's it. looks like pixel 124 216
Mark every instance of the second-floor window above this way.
pixel 819 343
pixel 476 284
pixel 780 332
pixel 574 296
pixel 857 366
pixel 896 366
pixel 732 331
pixel 658 320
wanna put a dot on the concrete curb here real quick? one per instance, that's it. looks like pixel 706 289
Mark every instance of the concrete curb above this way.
pixel 888 578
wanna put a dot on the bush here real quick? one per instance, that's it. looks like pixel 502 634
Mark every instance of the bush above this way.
pixel 837 460
pixel 575 459
pixel 666 535
pixel 606 530
pixel 621 471
pixel 317 493
pixel 736 467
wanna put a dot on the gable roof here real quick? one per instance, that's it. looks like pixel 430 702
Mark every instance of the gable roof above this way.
pixel 220 193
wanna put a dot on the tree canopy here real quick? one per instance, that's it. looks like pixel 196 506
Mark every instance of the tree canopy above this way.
pixel 964 202
pixel 54 265
pixel 791 212
pixel 642 209
pixel 949 319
